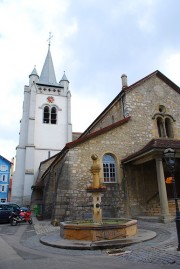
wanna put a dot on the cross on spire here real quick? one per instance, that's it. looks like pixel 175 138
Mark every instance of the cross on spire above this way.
pixel 49 39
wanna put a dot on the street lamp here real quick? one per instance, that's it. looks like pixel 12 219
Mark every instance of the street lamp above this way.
pixel 169 156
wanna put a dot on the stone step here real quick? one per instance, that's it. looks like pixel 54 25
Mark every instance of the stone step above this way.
pixel 149 218
pixel 154 209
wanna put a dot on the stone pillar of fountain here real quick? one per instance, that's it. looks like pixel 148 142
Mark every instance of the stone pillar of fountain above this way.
pixel 96 192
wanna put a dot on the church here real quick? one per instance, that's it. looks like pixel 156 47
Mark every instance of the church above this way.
pixel 45 127
pixel 129 138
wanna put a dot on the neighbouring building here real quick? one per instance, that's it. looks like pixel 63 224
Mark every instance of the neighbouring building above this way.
pixel 129 137
pixel 6 171
pixel 45 127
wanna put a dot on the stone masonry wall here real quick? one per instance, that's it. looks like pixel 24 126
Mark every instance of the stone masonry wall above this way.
pixel 141 103
pixel 49 195
pixel 142 187
pixel 73 202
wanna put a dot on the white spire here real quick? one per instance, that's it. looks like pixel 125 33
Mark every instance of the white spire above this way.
pixel 64 78
pixel 47 76
pixel 34 72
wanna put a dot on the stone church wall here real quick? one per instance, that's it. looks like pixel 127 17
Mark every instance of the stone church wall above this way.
pixel 72 201
pixel 49 191
pixel 142 187
pixel 142 103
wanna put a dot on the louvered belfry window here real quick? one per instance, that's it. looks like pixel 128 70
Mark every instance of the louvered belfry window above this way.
pixel 50 115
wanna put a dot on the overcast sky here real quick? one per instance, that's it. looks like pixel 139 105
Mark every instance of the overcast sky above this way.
pixel 94 41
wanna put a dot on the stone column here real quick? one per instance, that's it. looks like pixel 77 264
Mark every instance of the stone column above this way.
pixel 165 216
pixel 97 210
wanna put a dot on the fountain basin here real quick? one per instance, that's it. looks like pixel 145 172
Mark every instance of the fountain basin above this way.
pixel 89 231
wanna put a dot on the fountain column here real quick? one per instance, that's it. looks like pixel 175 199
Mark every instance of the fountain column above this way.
pixel 98 230
pixel 96 190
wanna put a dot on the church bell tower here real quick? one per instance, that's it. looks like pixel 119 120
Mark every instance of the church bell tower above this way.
pixel 45 127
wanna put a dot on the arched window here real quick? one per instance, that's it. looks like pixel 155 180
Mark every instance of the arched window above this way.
pixel 160 127
pixel 53 115
pixel 50 115
pixel 168 127
pixel 109 168
pixel 164 123
pixel 2 188
pixel 46 115
pixel 165 128
pixel 4 178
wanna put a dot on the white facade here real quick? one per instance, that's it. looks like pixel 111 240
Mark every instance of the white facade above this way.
pixel 45 127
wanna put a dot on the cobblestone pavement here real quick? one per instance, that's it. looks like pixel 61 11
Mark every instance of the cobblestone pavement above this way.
pixel 160 250
pixel 44 228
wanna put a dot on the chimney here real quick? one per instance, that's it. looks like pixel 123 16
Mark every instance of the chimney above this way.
pixel 124 81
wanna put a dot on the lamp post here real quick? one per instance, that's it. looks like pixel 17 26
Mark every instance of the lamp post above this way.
pixel 169 156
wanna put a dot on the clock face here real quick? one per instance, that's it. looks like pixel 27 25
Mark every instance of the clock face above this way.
pixel 50 99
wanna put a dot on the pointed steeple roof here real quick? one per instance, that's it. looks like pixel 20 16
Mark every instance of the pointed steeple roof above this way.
pixel 47 76
pixel 34 72
pixel 64 78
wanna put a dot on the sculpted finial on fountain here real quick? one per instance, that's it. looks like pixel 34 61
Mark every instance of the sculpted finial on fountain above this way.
pixel 94 157
pixel 95 169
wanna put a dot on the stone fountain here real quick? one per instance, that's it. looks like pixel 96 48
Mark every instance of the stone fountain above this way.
pixel 97 229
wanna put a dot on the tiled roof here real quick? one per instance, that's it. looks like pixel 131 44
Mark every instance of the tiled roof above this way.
pixel 159 144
